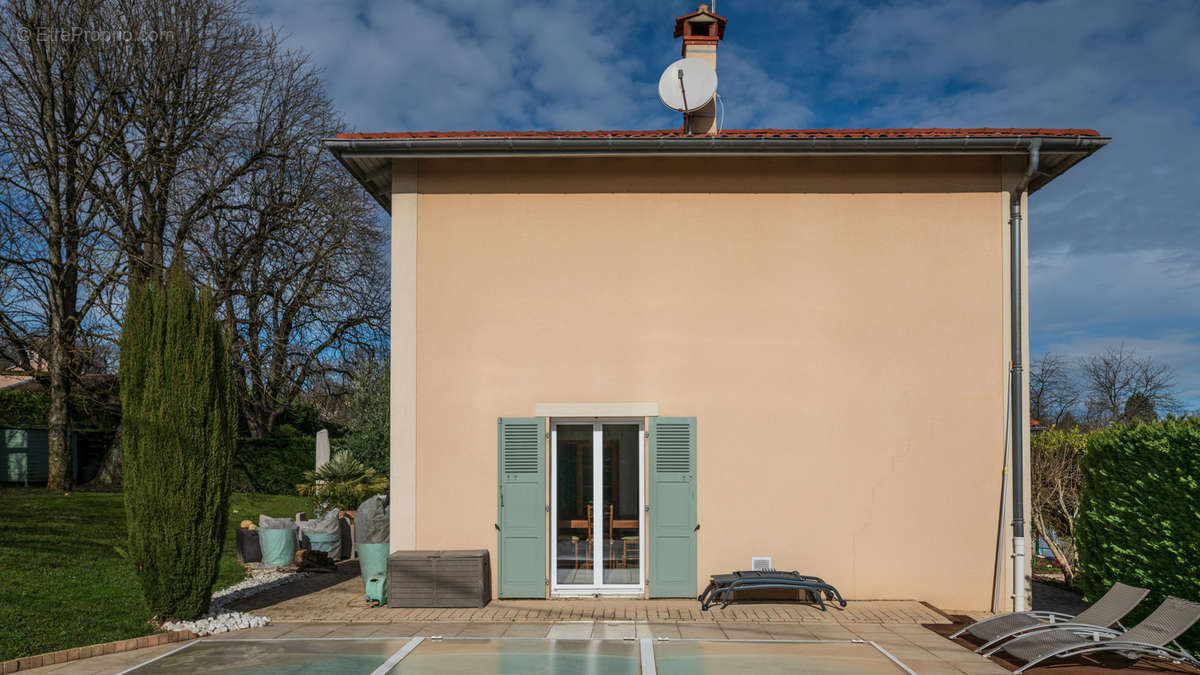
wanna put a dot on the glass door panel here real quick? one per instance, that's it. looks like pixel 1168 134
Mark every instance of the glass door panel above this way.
pixel 574 524
pixel 597 506
pixel 620 504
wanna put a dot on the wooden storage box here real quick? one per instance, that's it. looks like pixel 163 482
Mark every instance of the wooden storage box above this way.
pixel 439 579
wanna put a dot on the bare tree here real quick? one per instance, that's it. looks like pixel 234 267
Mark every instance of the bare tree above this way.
pixel 56 261
pixel 191 120
pixel 1053 393
pixel 298 260
pixel 195 134
pixel 1115 375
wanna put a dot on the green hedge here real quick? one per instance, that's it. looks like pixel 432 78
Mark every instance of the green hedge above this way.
pixel 272 466
pixel 1139 513
pixel 30 410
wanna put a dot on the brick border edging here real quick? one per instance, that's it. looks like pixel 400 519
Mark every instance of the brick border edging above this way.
pixel 76 653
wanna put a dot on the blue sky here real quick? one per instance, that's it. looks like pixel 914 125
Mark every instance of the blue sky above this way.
pixel 1115 243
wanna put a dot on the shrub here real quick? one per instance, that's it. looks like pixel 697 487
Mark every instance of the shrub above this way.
pixel 1139 512
pixel 341 483
pixel 30 409
pixel 1055 482
pixel 367 432
pixel 178 441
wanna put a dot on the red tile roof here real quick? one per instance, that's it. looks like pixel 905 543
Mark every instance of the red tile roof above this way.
pixel 734 133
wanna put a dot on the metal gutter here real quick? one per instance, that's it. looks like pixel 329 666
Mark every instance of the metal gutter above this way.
pixel 600 146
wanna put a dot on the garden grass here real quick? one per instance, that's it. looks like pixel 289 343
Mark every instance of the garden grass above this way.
pixel 64 578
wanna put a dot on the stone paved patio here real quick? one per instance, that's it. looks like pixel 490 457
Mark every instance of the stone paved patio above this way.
pixel 338 598
pixel 330 606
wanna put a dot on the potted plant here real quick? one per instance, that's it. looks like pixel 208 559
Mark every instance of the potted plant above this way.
pixel 341 483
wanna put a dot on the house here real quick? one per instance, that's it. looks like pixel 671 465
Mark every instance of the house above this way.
pixel 24 439
pixel 12 372
pixel 625 360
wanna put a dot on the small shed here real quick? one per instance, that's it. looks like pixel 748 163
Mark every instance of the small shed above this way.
pixel 25 455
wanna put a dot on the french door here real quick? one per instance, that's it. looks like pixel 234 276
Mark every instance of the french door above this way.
pixel 597 504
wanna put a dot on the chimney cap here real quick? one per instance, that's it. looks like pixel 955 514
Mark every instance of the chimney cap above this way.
pixel 701 15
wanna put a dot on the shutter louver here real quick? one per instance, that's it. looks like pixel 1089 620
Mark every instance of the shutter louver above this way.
pixel 521 448
pixel 674 442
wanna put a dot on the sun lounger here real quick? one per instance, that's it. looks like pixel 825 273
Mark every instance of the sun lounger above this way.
pixel 722 586
pixel 1149 638
pixel 1104 613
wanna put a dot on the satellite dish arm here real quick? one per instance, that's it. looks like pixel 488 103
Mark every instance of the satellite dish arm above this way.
pixel 683 91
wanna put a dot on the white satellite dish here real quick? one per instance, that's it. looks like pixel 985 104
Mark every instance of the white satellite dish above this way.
pixel 687 85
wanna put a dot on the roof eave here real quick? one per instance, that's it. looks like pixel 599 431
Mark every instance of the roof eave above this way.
pixel 364 158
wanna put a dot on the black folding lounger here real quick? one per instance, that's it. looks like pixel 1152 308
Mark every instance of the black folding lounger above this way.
pixel 722 586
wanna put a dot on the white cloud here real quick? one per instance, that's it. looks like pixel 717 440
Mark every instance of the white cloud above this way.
pixel 513 64
pixel 409 65
pixel 754 97
pixel 1148 300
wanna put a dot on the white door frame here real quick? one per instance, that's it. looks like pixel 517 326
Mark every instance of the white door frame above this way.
pixel 597 587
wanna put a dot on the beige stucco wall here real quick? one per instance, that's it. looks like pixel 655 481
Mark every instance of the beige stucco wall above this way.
pixel 837 325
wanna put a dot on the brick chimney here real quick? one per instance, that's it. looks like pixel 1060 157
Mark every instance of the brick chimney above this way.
pixel 701 31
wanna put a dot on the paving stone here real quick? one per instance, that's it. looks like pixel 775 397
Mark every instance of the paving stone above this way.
pixel 443 628
pixel 531 630
pixel 608 630
pixel 981 668
pixel 567 631
pixel 396 630
pixel 485 630
pixel 355 630
pixel 700 631
pixel 790 631
pixel 314 630
pixel 932 667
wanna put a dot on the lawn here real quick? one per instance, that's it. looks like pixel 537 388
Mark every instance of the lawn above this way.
pixel 64 581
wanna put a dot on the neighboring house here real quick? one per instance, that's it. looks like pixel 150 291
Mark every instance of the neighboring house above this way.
pixel 24 443
pixel 625 360
pixel 11 371
pixel 11 379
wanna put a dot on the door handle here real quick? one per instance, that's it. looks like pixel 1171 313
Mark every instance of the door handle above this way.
pixel 696 528
pixel 497 526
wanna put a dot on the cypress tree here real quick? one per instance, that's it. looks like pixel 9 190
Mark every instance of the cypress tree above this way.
pixel 179 423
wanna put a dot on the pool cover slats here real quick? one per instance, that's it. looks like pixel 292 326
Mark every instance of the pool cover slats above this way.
pixel 526 656
pixel 398 656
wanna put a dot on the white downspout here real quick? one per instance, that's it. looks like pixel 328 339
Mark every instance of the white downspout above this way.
pixel 1017 381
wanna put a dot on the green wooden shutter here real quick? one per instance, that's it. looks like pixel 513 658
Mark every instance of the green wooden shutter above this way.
pixel 521 567
pixel 672 507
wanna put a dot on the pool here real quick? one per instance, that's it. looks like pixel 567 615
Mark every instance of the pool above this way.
pixel 523 656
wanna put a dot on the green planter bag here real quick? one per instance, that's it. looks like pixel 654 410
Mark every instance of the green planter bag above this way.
pixel 371 525
pixel 277 538
pixel 324 534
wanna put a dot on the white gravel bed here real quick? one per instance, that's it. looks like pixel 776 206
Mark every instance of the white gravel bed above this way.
pixel 222 620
